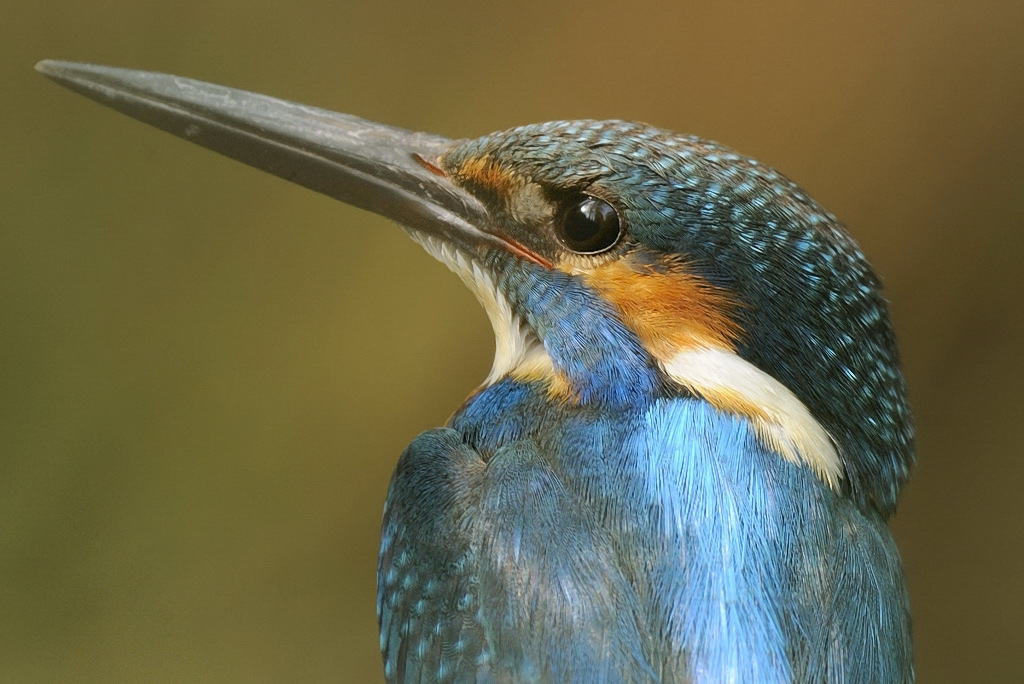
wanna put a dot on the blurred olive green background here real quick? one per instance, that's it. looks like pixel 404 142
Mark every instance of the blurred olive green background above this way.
pixel 207 374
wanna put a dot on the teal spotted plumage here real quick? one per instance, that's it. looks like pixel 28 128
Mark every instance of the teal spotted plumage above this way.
pixel 682 462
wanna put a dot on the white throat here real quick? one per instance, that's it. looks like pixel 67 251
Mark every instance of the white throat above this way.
pixel 517 349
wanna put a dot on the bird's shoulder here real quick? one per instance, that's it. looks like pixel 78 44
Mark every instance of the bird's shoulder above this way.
pixel 489 564
pixel 633 546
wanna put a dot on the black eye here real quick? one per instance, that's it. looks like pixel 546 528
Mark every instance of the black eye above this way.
pixel 589 226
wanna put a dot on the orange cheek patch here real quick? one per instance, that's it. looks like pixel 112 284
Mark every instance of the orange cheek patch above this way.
pixel 669 309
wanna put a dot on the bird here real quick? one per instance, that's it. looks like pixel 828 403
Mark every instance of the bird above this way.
pixel 683 461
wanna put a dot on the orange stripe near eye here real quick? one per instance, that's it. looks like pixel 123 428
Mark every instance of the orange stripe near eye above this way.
pixel 484 172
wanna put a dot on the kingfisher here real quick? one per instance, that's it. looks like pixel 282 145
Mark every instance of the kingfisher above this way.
pixel 681 465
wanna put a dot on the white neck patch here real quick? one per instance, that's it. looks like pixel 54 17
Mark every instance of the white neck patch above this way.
pixel 516 347
pixel 781 421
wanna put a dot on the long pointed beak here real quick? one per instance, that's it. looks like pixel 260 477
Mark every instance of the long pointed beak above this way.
pixel 386 170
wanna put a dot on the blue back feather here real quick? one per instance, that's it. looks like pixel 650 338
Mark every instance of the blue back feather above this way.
pixel 662 543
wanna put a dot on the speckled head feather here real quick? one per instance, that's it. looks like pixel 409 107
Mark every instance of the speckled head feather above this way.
pixel 808 303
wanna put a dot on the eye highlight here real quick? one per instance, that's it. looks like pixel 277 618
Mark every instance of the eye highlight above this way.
pixel 589 226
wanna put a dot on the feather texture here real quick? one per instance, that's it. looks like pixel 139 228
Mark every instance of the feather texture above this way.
pixel 661 544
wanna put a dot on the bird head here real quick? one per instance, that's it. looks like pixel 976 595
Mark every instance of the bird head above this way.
pixel 662 263
pixel 619 264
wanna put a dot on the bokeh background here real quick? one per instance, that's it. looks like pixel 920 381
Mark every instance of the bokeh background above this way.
pixel 207 374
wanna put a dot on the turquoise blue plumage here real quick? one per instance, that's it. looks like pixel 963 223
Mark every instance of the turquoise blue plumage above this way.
pixel 706 558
